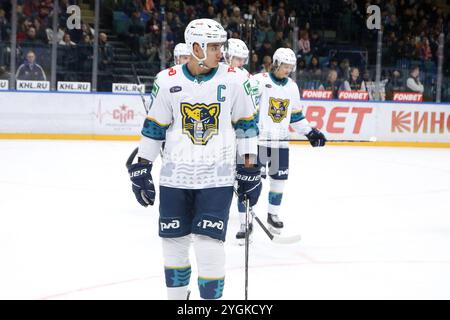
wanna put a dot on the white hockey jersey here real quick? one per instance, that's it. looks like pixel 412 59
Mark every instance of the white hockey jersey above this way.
pixel 279 106
pixel 199 118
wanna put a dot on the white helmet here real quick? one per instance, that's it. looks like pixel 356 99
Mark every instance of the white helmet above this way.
pixel 285 55
pixel 181 49
pixel 203 31
pixel 235 48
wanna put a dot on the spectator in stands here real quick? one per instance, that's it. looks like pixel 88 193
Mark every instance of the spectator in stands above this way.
pixel 41 34
pixel 394 84
pixel 106 53
pixel 279 22
pixel 132 6
pixel 4 37
pixel 354 83
pixel 301 68
pixel 263 22
pixel 135 31
pixel 314 70
pixel 344 69
pixel 333 64
pixel 66 41
pixel 85 56
pixel 317 45
pixel 413 82
pixel 87 30
pixel 235 19
pixel 265 50
pixel 332 83
pixel 31 39
pixel 210 13
pixel 303 44
pixel 425 50
pixel 30 70
pixel 267 63
pixel 4 75
pixel 254 63
pixel 224 19
pixel 4 27
pixel 279 41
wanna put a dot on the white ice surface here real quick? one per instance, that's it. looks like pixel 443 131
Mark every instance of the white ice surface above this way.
pixel 375 224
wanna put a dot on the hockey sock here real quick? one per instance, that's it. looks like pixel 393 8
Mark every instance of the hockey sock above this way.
pixel 177 268
pixel 211 266
pixel 275 195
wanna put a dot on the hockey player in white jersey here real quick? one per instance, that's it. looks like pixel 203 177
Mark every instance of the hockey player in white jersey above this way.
pixel 204 113
pixel 181 53
pixel 235 55
pixel 279 107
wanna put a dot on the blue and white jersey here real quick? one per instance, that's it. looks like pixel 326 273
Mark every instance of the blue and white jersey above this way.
pixel 279 107
pixel 199 118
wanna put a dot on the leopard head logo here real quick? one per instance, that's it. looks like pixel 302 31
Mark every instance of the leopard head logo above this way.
pixel 200 121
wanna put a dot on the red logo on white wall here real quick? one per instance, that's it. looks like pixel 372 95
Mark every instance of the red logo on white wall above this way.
pixel 335 120
pixel 420 122
pixel 123 114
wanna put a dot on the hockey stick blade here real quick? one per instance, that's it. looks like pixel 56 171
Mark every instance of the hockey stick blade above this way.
pixel 274 237
pixel 286 240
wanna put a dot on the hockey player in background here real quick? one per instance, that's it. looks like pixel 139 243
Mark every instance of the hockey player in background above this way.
pixel 235 55
pixel 279 107
pixel 181 53
pixel 205 115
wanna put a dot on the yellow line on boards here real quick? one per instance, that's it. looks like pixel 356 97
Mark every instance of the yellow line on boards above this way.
pixel 63 136
pixel 385 144
pixel 58 136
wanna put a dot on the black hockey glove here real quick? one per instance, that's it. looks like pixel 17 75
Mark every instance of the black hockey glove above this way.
pixel 142 183
pixel 249 183
pixel 316 138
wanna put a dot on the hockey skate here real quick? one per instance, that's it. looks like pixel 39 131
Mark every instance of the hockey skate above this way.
pixel 240 235
pixel 275 224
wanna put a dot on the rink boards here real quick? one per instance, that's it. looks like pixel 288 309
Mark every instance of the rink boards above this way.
pixel 109 116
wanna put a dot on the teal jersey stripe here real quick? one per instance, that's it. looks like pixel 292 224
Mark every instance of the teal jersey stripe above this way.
pixel 154 130
pixel 246 128
pixel 297 116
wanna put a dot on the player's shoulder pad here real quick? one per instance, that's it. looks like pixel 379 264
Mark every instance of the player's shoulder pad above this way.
pixel 260 77
pixel 236 75
pixel 166 76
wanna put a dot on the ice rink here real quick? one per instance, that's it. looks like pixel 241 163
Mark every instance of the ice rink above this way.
pixel 375 224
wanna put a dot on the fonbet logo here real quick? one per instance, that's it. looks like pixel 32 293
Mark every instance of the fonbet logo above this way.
pixel 353 95
pixel 317 94
pixel 123 114
pixel 175 224
pixel 408 96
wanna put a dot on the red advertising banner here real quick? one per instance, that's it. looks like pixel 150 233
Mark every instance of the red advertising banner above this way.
pixel 354 95
pixel 408 96
pixel 317 94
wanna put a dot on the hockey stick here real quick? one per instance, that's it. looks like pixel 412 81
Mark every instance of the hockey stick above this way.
pixel 247 241
pixel 135 151
pixel 306 140
pixel 273 237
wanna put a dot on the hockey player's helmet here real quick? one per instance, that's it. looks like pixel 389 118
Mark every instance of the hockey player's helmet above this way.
pixel 235 48
pixel 285 55
pixel 203 31
pixel 181 49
